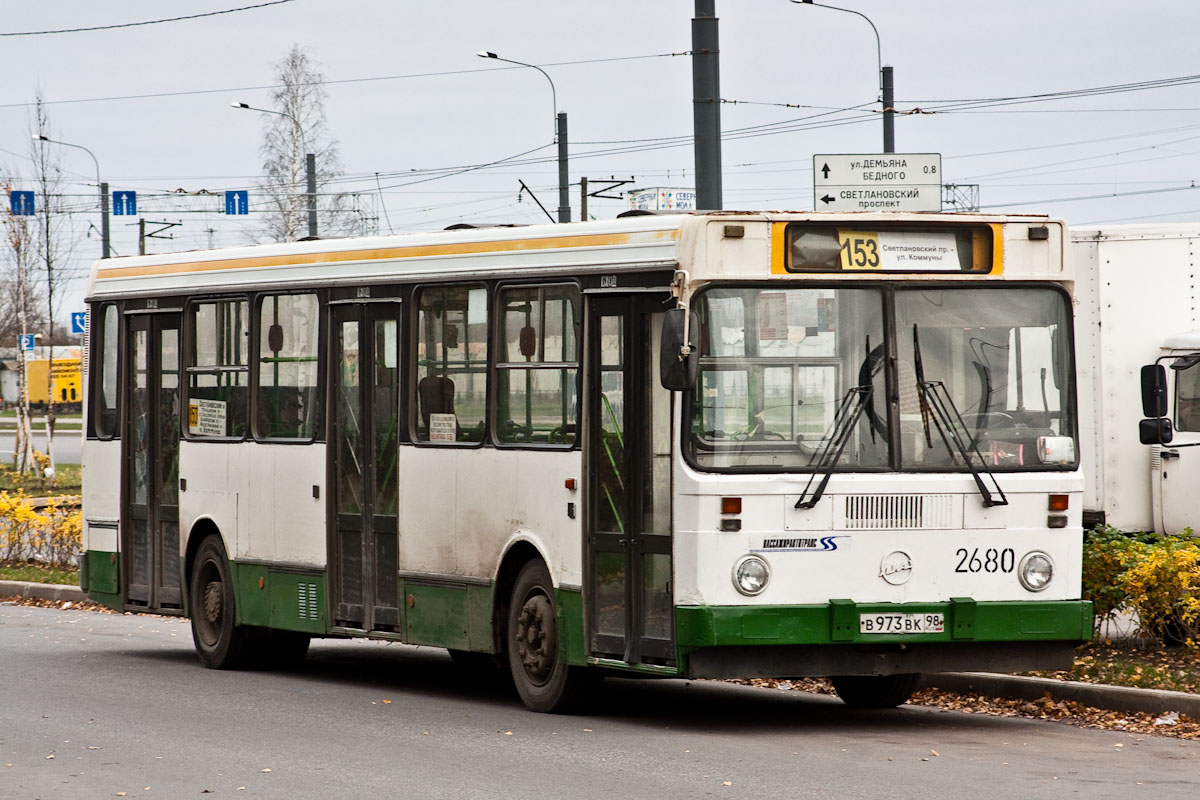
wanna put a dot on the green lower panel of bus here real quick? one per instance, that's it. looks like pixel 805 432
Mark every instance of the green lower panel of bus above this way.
pixel 100 577
pixel 287 599
pixel 841 622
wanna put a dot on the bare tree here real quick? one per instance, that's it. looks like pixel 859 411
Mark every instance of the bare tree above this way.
pixel 55 239
pixel 21 312
pixel 297 127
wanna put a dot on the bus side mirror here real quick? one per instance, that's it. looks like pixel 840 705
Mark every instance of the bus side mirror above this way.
pixel 1154 390
pixel 1155 431
pixel 675 371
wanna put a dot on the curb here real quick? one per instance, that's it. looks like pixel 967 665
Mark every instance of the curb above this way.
pixel 42 591
pixel 1096 695
pixel 1017 687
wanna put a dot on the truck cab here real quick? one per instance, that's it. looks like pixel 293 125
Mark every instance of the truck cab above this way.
pixel 1171 402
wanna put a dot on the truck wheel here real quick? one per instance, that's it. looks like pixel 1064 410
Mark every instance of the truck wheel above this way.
pixel 875 691
pixel 220 643
pixel 543 681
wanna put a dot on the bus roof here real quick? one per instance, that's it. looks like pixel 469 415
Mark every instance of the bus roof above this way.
pixel 652 241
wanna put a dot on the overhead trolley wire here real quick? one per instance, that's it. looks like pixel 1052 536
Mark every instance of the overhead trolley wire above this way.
pixel 147 22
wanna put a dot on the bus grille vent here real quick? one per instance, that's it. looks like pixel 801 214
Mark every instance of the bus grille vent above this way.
pixel 307 601
pixel 885 511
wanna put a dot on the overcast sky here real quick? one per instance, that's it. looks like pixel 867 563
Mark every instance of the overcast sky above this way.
pixel 406 94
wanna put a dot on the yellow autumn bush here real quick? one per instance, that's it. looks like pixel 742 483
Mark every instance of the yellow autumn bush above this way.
pixel 1156 577
pixel 52 535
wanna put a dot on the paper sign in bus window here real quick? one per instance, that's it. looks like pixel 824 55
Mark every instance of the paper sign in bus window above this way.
pixel 443 427
pixel 206 417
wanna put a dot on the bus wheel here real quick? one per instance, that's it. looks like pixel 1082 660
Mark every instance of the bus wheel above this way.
pixel 875 691
pixel 219 642
pixel 543 681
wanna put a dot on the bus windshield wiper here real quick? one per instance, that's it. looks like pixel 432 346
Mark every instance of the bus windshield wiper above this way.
pixel 937 405
pixel 850 409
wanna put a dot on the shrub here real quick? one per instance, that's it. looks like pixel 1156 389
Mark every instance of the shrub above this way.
pixel 51 536
pixel 1156 577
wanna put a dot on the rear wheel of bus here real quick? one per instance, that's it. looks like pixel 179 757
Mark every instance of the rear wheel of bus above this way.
pixel 543 681
pixel 875 691
pixel 219 642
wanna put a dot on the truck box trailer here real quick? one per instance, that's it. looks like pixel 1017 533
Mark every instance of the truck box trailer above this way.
pixel 1137 300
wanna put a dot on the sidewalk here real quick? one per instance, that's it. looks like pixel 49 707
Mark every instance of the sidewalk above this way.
pixel 1111 698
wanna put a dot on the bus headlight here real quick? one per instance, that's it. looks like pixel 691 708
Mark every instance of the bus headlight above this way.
pixel 1036 571
pixel 750 575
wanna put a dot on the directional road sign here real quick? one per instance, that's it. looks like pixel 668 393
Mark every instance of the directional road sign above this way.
pixel 78 321
pixel 27 342
pixel 21 203
pixel 237 202
pixel 878 182
pixel 125 203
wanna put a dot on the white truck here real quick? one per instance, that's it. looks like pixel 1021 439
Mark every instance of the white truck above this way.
pixel 1138 303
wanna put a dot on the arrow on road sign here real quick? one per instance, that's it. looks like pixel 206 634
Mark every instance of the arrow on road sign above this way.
pixel 125 203
pixel 825 169
pixel 828 199
pixel 78 321
pixel 237 202
pixel 21 203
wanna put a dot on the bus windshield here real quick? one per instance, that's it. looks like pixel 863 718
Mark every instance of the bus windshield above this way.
pixel 785 372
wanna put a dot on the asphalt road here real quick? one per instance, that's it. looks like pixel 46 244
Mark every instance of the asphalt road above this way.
pixel 66 445
pixel 95 705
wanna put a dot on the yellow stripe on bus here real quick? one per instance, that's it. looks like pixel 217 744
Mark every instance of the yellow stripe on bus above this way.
pixel 415 251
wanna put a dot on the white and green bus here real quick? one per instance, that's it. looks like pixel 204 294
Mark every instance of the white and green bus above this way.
pixel 704 445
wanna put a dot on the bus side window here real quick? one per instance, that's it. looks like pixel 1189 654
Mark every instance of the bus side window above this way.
pixel 218 370
pixel 451 361
pixel 106 346
pixel 537 367
pixel 286 398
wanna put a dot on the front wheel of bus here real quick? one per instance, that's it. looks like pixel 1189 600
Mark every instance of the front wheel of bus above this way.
pixel 219 642
pixel 543 681
pixel 875 691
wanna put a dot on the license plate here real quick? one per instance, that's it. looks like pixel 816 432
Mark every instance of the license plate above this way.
pixel 901 623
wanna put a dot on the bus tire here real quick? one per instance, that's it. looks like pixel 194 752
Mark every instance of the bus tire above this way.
pixel 875 691
pixel 543 681
pixel 220 643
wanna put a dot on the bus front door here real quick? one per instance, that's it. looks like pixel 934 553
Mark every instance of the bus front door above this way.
pixel 364 455
pixel 150 443
pixel 628 450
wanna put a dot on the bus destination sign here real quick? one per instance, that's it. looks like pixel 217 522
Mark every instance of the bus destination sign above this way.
pixel 878 182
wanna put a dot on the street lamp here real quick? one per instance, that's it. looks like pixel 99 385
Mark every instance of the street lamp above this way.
pixel 560 136
pixel 105 250
pixel 310 165
pixel 885 78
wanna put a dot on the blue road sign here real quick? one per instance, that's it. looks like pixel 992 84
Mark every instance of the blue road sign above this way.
pixel 237 202
pixel 21 203
pixel 27 342
pixel 78 321
pixel 125 203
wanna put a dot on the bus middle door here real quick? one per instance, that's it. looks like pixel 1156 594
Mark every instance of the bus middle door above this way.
pixel 363 447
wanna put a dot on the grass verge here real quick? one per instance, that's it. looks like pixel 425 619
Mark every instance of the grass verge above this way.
pixel 39 573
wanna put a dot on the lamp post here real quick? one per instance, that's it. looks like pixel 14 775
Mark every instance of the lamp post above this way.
pixel 105 249
pixel 886 88
pixel 560 136
pixel 310 164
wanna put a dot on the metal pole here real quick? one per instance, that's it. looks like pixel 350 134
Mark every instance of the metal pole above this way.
pixel 310 166
pixel 564 199
pixel 889 112
pixel 583 199
pixel 706 106
pixel 105 247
